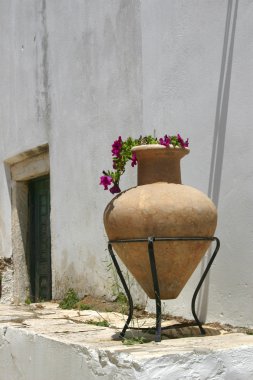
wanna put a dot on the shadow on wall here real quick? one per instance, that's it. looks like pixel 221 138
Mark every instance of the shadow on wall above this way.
pixel 219 132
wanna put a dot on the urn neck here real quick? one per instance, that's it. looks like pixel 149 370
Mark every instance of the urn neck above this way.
pixel 157 163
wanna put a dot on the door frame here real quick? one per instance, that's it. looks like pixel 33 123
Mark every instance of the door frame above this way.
pixel 20 169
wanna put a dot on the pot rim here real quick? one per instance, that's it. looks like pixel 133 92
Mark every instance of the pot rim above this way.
pixel 160 147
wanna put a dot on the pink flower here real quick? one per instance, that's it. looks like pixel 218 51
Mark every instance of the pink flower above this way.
pixel 121 154
pixel 115 189
pixel 165 141
pixel 106 181
pixel 116 147
pixel 184 144
pixel 134 160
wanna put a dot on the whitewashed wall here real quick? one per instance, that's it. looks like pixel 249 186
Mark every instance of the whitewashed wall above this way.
pixel 77 74
pixel 197 79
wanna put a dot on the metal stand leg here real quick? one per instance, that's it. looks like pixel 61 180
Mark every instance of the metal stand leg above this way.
pixel 129 297
pixel 150 241
pixel 156 288
pixel 202 330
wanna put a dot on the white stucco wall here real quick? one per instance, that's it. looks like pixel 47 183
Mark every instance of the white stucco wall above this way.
pixel 187 57
pixel 77 75
pixel 96 95
pixel 23 92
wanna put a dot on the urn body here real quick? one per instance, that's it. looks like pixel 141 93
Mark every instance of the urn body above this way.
pixel 160 206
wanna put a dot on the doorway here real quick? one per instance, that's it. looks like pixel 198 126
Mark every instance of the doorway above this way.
pixel 39 239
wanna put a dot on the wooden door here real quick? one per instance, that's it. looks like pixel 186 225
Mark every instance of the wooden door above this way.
pixel 40 239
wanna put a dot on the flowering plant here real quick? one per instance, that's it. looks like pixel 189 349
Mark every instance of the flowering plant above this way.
pixel 122 153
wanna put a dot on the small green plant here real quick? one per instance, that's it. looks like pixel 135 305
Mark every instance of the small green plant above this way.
pixel 135 340
pixel 116 287
pixel 83 306
pixel 122 302
pixel 109 309
pixel 70 300
pixel 113 277
pixel 103 323
pixel 28 300
pixel 121 299
pixel 249 332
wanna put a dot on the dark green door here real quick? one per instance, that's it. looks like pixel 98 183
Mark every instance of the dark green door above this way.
pixel 40 239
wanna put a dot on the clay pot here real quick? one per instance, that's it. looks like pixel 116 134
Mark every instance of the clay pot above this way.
pixel 160 206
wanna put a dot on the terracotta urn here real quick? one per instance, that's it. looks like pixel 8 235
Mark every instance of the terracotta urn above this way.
pixel 160 206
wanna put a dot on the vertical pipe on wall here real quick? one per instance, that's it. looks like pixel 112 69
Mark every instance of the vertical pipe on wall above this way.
pixel 220 130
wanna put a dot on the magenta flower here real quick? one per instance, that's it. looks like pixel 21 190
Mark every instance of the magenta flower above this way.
pixel 164 141
pixel 116 147
pixel 122 153
pixel 115 189
pixel 184 144
pixel 134 160
pixel 106 181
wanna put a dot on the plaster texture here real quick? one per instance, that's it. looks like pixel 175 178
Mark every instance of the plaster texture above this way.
pixel 40 342
pixel 77 77
pixel 7 282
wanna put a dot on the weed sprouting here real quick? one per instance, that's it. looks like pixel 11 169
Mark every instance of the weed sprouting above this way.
pixel 28 300
pixel 135 340
pixel 70 300
pixel 83 306
pixel 103 323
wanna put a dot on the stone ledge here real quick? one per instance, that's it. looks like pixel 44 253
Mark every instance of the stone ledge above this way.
pixel 35 346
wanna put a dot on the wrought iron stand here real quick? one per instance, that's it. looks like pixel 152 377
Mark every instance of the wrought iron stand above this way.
pixel 151 253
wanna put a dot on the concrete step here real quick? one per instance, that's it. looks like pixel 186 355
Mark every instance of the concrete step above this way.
pixel 44 342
